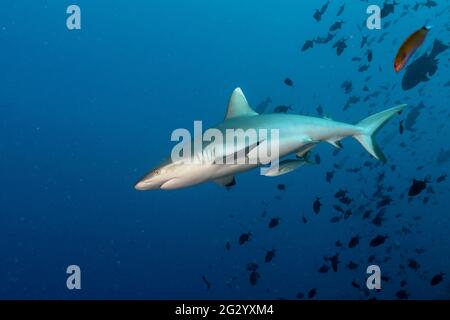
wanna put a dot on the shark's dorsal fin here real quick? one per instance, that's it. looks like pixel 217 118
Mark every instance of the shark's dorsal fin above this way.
pixel 238 106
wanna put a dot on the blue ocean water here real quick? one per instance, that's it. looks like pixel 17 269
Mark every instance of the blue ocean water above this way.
pixel 85 113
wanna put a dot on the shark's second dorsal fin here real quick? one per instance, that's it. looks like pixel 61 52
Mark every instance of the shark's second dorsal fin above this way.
pixel 238 105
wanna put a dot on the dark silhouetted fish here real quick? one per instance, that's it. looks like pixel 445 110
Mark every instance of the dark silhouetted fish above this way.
pixel 364 41
pixel 228 246
pixel 437 279
pixel 254 277
pixel 300 295
pixel 413 264
pixel 325 39
pixel 334 260
pixel 347 86
pixel 387 9
pixel 263 105
pixel 281 187
pixel 245 237
pixel 353 242
pixel 274 222
pixel 316 205
pixel 400 127
pixel 269 256
pixel 304 220
pixel 352 265
pixel 423 67
pixel 288 82
pixel 441 178
pixel 320 12
pixel 336 26
pixel 335 219
pixel 312 293
pixel 330 174
pixel 208 284
pixel 417 187
pixel 323 269
pixel 341 10
pixel 338 244
pixel 309 44
pixel 378 241
pixel 340 46
pixel 282 109
pixel 402 294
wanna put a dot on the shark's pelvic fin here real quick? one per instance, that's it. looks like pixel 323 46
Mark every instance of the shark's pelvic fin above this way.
pixel 227 181
pixel 238 105
pixel 284 167
pixel 335 143
pixel 370 127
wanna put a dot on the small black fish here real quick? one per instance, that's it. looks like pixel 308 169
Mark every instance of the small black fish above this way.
pixel 208 284
pixel 323 269
pixel 254 277
pixel 335 219
pixel 347 214
pixel 281 187
pixel 402 294
pixel 269 256
pixel 341 193
pixel 401 128
pixel 413 264
pixel 304 220
pixel 341 10
pixel 340 46
pixel 334 262
pixel 329 175
pixel 441 178
pixel 317 205
pixel 300 295
pixel 245 237
pixel 338 208
pixel 369 55
pixel 312 293
pixel 377 241
pixel 252 266
pixel 355 285
pixel 317 159
pixel 308 45
pixel 282 109
pixel 338 244
pixel 336 26
pixel 437 279
pixel 228 246
pixel 352 265
pixel 417 187
pixel 353 242
pixel 274 222
pixel 288 82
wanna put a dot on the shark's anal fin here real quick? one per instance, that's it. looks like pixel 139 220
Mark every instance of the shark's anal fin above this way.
pixel 284 167
pixel 227 181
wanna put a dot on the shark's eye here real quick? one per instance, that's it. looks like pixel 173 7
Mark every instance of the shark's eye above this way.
pixel 156 172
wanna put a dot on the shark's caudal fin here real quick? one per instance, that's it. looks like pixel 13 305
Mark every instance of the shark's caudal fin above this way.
pixel 370 127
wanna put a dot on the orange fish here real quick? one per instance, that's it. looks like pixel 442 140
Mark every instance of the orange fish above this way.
pixel 407 49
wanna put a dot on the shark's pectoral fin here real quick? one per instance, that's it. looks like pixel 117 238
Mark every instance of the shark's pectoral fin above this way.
pixel 227 181
pixel 238 157
pixel 284 167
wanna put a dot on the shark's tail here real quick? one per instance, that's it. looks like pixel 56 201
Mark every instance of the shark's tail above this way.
pixel 370 127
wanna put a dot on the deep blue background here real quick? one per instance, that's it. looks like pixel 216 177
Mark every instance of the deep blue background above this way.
pixel 84 114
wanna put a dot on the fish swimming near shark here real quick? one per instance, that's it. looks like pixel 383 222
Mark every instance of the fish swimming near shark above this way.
pixel 297 135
